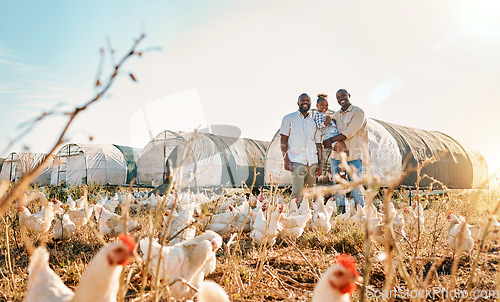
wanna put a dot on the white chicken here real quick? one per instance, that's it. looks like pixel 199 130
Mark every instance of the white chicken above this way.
pixel 111 224
pixel 81 215
pixel 460 237
pixel 100 281
pixel 349 212
pixel 273 229
pixel 338 282
pixel 180 222
pixel 110 204
pixel 222 223
pixel 292 206
pixel 242 217
pixel 190 260
pixel 398 221
pixel 210 291
pixel 378 233
pixel 358 218
pixel 321 217
pixel 477 230
pixel 295 222
pixel 63 228
pixel 39 222
pixel 414 220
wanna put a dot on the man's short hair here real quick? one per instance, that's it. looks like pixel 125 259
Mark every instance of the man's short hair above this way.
pixel 342 90
pixel 302 95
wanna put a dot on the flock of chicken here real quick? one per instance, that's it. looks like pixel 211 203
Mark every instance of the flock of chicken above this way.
pixel 187 259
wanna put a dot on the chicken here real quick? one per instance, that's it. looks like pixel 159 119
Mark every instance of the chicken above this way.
pixel 222 223
pixel 190 260
pixel 295 222
pixel 39 222
pixel 80 216
pixel 100 281
pixel 259 233
pixel 292 206
pixel 460 238
pixel 321 217
pixel 398 221
pixel 378 234
pixel 357 219
pixel 77 204
pixel 110 204
pixel 338 282
pixel 371 211
pixel 331 206
pixel 349 212
pixel 210 291
pixel 111 224
pixel 477 231
pixel 180 222
pixel 58 206
pixel 243 219
pixel 63 228
pixel 413 219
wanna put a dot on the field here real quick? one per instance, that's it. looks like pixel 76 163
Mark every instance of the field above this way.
pixel 289 270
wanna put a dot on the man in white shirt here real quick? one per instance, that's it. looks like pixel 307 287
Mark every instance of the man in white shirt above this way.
pixel 301 147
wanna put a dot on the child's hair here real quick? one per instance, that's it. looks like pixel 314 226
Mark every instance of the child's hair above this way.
pixel 322 97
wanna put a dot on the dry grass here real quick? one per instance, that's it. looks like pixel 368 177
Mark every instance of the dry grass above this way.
pixel 289 270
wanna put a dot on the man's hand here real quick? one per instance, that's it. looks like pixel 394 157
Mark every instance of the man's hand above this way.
pixel 319 170
pixel 288 163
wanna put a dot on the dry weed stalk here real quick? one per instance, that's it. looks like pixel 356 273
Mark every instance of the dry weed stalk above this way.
pixel 27 178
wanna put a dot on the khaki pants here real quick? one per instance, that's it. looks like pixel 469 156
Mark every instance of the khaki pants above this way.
pixel 302 176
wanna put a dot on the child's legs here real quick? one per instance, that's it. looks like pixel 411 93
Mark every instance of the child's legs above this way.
pixel 340 147
pixel 327 143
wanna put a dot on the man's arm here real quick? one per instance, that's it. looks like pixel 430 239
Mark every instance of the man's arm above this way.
pixel 338 137
pixel 284 151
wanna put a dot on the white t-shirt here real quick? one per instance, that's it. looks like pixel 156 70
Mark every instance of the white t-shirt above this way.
pixel 302 137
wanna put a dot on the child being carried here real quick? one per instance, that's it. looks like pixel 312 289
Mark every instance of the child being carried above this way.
pixel 328 128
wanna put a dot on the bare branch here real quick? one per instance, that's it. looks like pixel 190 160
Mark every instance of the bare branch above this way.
pixel 26 180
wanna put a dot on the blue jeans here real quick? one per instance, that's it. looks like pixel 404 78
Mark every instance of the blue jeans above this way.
pixel 356 192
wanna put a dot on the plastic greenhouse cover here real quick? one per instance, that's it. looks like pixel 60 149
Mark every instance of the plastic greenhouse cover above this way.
pixel 98 163
pixel 454 168
pixel 151 164
pixel 18 164
pixel 211 160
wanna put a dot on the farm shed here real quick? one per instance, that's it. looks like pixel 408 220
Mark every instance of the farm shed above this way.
pixel 94 163
pixel 15 165
pixel 462 167
pixel 203 160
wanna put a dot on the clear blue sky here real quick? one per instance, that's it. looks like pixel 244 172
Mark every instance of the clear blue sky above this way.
pixel 427 64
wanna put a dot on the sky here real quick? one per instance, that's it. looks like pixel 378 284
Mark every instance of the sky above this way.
pixel 426 64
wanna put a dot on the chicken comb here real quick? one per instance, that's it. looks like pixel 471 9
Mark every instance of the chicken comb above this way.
pixel 449 213
pixel 128 241
pixel 260 197
pixel 348 262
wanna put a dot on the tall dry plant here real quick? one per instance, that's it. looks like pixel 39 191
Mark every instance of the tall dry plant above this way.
pixel 102 86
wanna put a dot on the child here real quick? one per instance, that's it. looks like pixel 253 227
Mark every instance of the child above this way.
pixel 328 128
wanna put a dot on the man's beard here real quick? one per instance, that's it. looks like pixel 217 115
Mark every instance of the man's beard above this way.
pixel 302 109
